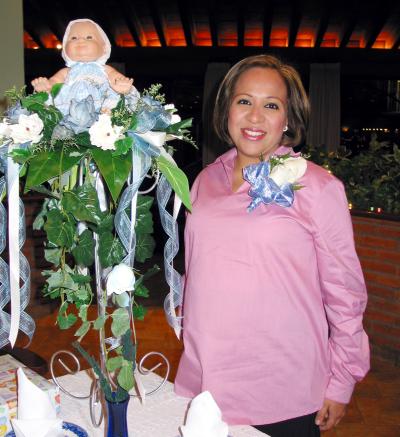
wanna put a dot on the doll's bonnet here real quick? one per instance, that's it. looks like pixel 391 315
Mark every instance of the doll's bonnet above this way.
pixel 107 46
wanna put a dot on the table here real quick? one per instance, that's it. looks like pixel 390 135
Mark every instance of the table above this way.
pixel 161 415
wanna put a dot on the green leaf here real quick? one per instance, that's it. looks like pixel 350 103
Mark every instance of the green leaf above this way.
pixel 144 218
pixel 82 203
pixel 122 146
pixel 83 293
pixel 83 312
pixel 122 299
pixel 34 99
pixel 53 255
pixel 111 250
pixel 176 127
pixel 114 169
pixel 83 139
pixel 60 228
pixel 120 322
pixel 65 322
pixel 81 279
pixel 145 245
pixel 114 363
pixel 177 179
pixel 51 163
pixel 83 330
pixel 83 252
pixel 40 218
pixel 139 312
pixel 20 155
pixel 128 348
pixel 61 279
pixel 125 376
pixel 106 223
pixel 55 89
pixel 99 322
pixel 141 291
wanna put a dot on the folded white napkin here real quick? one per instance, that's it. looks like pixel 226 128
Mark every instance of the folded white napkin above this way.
pixel 36 414
pixel 204 418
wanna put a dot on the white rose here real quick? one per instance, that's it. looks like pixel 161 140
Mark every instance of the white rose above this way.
pixel 5 130
pixel 169 107
pixel 120 279
pixel 28 129
pixel 291 170
pixel 174 117
pixel 103 134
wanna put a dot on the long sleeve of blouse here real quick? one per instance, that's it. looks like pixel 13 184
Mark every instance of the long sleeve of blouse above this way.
pixel 343 291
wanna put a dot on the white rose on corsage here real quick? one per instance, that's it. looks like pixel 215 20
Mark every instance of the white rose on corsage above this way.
pixel 289 171
pixel 5 130
pixel 28 129
pixel 120 279
pixel 174 117
pixel 103 134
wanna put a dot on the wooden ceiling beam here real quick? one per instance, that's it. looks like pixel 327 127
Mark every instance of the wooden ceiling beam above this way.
pixel 213 20
pixel 323 26
pixel 240 20
pixel 295 18
pixel 380 18
pixel 133 23
pixel 158 22
pixel 267 22
pixel 186 17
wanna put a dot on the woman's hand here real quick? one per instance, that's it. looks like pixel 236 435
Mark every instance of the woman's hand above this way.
pixel 330 414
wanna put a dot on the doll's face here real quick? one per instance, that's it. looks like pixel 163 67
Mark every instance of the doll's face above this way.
pixel 84 42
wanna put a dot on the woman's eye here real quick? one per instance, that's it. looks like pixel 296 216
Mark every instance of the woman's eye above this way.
pixel 243 102
pixel 73 38
pixel 272 106
pixel 89 37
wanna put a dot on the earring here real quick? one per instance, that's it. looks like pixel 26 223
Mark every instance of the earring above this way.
pixel 285 129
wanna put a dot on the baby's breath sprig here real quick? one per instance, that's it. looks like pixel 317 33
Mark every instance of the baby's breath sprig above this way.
pixel 154 92
pixel 15 96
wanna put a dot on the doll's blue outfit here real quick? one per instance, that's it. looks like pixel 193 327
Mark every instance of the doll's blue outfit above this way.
pixel 86 79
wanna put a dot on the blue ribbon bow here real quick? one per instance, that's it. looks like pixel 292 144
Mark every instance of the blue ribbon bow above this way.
pixel 264 189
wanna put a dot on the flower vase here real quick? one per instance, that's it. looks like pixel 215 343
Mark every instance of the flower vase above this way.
pixel 117 418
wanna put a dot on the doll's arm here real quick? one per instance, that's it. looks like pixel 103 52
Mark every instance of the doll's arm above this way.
pixel 44 84
pixel 118 82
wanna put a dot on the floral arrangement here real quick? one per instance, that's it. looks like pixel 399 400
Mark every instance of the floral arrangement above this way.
pixel 81 163
pixel 274 181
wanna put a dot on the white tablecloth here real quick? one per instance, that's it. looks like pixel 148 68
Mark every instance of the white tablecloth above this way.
pixel 161 415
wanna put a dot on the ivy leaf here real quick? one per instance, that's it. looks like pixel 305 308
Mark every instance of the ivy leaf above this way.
pixel 83 252
pixel 60 228
pixel 83 139
pixel 61 279
pixel 128 348
pixel 122 146
pixel 82 294
pixel 83 312
pixel 122 299
pixel 125 376
pixel 83 330
pixel 145 245
pixel 50 163
pixel 144 218
pixel 106 223
pixel 53 255
pixel 55 89
pixel 111 250
pixel 81 279
pixel 114 169
pixel 99 322
pixel 139 312
pixel 141 291
pixel 176 178
pixel 114 363
pixel 65 322
pixel 82 203
pixel 120 322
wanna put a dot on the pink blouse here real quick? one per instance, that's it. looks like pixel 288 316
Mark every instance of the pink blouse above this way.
pixel 274 299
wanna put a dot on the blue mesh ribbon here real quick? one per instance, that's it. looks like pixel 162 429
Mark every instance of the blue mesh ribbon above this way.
pixel 173 278
pixel 264 189
pixel 4 282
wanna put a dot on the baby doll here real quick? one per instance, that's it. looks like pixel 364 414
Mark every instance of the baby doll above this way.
pixel 86 49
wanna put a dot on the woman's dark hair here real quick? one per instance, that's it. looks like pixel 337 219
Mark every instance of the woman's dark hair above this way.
pixel 298 106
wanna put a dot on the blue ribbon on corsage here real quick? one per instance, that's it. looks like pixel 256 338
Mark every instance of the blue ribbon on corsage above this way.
pixel 264 189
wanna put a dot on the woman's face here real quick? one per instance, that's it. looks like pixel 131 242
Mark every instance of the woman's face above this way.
pixel 84 42
pixel 258 114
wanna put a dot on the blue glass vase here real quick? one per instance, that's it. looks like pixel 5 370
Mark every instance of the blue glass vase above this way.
pixel 117 418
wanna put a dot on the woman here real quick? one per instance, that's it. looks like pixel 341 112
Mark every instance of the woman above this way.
pixel 274 292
